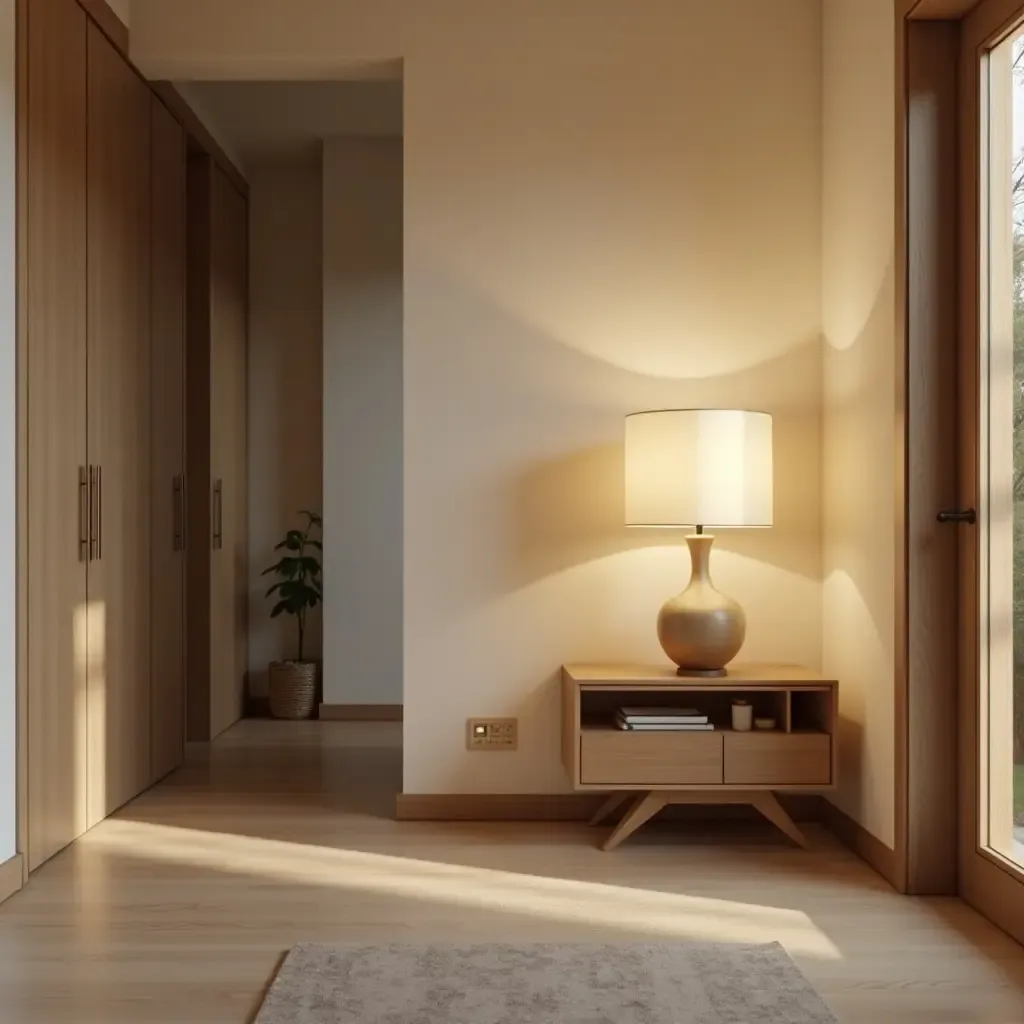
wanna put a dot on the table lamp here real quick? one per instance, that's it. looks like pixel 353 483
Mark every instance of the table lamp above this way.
pixel 699 468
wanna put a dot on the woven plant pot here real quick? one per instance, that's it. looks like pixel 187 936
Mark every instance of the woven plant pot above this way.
pixel 292 689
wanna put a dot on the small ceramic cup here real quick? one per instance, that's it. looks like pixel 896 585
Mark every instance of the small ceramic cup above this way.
pixel 742 716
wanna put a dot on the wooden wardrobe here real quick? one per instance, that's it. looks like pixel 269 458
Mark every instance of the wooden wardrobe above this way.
pixel 217 571
pixel 103 193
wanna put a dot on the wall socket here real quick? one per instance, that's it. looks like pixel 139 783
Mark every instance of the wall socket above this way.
pixel 492 734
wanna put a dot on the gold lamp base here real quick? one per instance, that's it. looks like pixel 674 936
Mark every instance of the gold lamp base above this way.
pixel 701 629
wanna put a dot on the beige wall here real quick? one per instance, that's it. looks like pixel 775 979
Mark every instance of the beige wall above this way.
pixel 860 396
pixel 608 207
pixel 285 386
pixel 362 338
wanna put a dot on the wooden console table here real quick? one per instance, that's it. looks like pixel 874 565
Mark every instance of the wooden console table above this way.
pixel 655 769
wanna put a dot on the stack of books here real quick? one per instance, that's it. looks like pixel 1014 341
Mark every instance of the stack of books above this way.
pixel 662 720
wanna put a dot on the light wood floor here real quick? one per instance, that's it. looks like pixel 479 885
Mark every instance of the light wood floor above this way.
pixel 180 908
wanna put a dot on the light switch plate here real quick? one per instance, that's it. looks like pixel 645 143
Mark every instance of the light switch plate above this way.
pixel 492 734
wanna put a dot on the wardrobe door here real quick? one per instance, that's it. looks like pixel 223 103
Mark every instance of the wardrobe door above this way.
pixel 168 441
pixel 199 496
pixel 118 428
pixel 237 523
pixel 55 305
pixel 228 346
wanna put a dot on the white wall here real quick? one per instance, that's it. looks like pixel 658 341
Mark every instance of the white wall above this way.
pixel 608 207
pixel 8 436
pixel 860 395
pixel 362 337
pixel 285 387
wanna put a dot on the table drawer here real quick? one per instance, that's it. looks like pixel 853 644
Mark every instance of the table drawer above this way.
pixel 609 757
pixel 778 759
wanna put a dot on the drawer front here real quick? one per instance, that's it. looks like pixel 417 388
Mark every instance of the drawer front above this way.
pixel 778 759
pixel 613 758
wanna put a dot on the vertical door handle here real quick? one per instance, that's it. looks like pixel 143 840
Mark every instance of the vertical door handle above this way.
pixel 218 515
pixel 99 512
pixel 83 514
pixel 93 512
pixel 177 515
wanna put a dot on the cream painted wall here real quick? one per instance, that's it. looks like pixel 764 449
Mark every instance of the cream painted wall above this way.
pixel 285 386
pixel 362 338
pixel 608 207
pixel 8 435
pixel 860 395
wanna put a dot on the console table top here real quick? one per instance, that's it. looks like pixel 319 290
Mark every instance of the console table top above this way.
pixel 627 675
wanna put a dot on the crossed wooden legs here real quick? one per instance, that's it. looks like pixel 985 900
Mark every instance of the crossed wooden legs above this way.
pixel 646 805
pixel 611 805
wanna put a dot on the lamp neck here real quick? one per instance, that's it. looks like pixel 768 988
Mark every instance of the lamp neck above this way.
pixel 700 557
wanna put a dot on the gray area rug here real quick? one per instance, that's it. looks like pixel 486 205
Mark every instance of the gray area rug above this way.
pixel 543 984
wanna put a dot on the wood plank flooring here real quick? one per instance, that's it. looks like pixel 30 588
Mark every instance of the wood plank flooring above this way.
pixel 180 908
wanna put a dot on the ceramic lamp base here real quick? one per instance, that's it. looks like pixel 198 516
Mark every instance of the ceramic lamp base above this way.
pixel 701 629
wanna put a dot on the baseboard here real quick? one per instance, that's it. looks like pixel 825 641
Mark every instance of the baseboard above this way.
pixel 11 876
pixel 566 807
pixel 869 848
pixel 361 712
pixel 257 706
pixel 496 807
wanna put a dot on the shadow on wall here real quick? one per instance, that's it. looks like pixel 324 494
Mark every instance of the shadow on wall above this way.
pixel 568 509
pixel 520 524
pixel 858 486
pixel 858 482
pixel 571 509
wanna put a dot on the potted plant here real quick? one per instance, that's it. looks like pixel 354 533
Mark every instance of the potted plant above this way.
pixel 292 684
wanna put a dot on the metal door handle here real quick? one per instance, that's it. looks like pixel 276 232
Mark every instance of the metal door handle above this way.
pixel 177 515
pixel 83 514
pixel 93 513
pixel 218 515
pixel 99 512
pixel 967 516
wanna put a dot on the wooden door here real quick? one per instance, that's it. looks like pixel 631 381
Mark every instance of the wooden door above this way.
pixel 199 501
pixel 228 348
pixel 118 428
pixel 238 518
pixel 55 301
pixel 168 441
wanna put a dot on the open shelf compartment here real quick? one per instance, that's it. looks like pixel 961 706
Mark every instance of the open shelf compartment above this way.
pixel 792 711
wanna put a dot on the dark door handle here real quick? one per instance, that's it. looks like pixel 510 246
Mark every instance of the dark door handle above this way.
pixel 218 515
pixel 99 512
pixel 177 515
pixel 94 514
pixel 83 514
pixel 968 516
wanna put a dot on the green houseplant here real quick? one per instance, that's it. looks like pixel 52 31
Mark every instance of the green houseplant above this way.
pixel 298 589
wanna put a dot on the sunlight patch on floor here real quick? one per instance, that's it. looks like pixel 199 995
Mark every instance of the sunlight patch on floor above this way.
pixel 667 915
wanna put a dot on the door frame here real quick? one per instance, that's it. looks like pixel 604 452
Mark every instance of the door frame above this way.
pixel 938 370
pixel 926 38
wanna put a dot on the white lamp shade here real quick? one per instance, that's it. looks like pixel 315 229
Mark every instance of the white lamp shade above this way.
pixel 699 467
